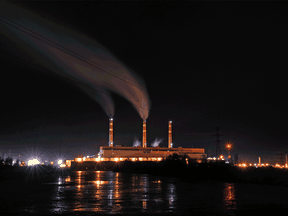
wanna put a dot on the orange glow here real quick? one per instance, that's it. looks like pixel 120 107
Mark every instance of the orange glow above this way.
pixel 229 196
pixel 144 140
pixel 78 159
pixel 111 132
pixel 170 135
pixel 144 204
pixel 100 182
pixel 228 146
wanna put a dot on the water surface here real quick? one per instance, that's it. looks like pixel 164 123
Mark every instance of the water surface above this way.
pixel 107 192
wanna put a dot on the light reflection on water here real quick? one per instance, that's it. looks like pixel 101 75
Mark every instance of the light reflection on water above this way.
pixel 112 193
pixel 94 193
pixel 229 196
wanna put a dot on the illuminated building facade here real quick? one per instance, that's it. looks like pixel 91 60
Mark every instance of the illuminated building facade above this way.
pixel 148 153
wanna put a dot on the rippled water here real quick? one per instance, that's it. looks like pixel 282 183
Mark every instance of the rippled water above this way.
pixel 108 192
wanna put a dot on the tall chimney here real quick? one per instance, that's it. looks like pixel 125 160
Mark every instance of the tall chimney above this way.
pixel 170 135
pixel 111 132
pixel 144 141
pixel 259 161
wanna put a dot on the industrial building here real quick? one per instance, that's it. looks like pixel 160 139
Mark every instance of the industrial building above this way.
pixel 141 153
pixel 147 153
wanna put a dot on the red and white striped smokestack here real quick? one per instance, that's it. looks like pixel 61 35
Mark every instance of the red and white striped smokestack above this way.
pixel 111 132
pixel 170 135
pixel 144 141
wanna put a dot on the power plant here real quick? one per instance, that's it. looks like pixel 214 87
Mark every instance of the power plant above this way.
pixel 141 153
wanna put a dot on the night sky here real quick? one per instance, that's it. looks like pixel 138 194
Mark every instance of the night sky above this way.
pixel 204 65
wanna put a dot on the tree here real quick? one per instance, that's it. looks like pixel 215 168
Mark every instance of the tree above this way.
pixel 17 163
pixel 8 161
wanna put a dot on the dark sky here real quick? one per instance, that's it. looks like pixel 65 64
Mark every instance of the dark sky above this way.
pixel 204 65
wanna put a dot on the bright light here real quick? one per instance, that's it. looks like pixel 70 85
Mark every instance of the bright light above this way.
pixel 33 162
pixel 228 146
pixel 59 162
pixel 62 165
pixel 78 159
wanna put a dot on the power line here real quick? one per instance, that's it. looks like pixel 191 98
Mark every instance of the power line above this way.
pixel 79 83
pixel 73 54
pixel 106 71
pixel 160 96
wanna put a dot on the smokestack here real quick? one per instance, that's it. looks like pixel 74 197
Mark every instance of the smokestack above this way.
pixel 111 132
pixel 170 135
pixel 144 141
pixel 259 161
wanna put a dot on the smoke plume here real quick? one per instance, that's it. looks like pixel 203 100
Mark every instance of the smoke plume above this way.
pixel 156 142
pixel 74 55
pixel 136 142
pixel 102 97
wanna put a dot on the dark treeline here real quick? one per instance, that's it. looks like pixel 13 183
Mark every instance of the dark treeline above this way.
pixel 8 161
pixel 190 170
pixel 174 166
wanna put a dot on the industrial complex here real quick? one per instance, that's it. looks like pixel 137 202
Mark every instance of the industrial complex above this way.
pixel 140 153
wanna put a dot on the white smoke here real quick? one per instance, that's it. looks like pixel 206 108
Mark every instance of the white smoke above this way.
pixel 73 55
pixel 103 97
pixel 156 142
pixel 136 143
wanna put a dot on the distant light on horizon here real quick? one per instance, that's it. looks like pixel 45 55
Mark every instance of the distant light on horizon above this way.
pixel 33 162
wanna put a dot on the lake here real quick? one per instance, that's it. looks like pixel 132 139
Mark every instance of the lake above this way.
pixel 116 193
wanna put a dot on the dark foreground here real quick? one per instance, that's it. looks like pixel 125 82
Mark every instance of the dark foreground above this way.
pixel 49 191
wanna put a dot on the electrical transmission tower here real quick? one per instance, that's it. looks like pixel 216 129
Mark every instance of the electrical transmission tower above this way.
pixel 282 162
pixel 217 134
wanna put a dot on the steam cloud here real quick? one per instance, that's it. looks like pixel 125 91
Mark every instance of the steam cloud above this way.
pixel 136 143
pixel 103 97
pixel 90 64
pixel 156 142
